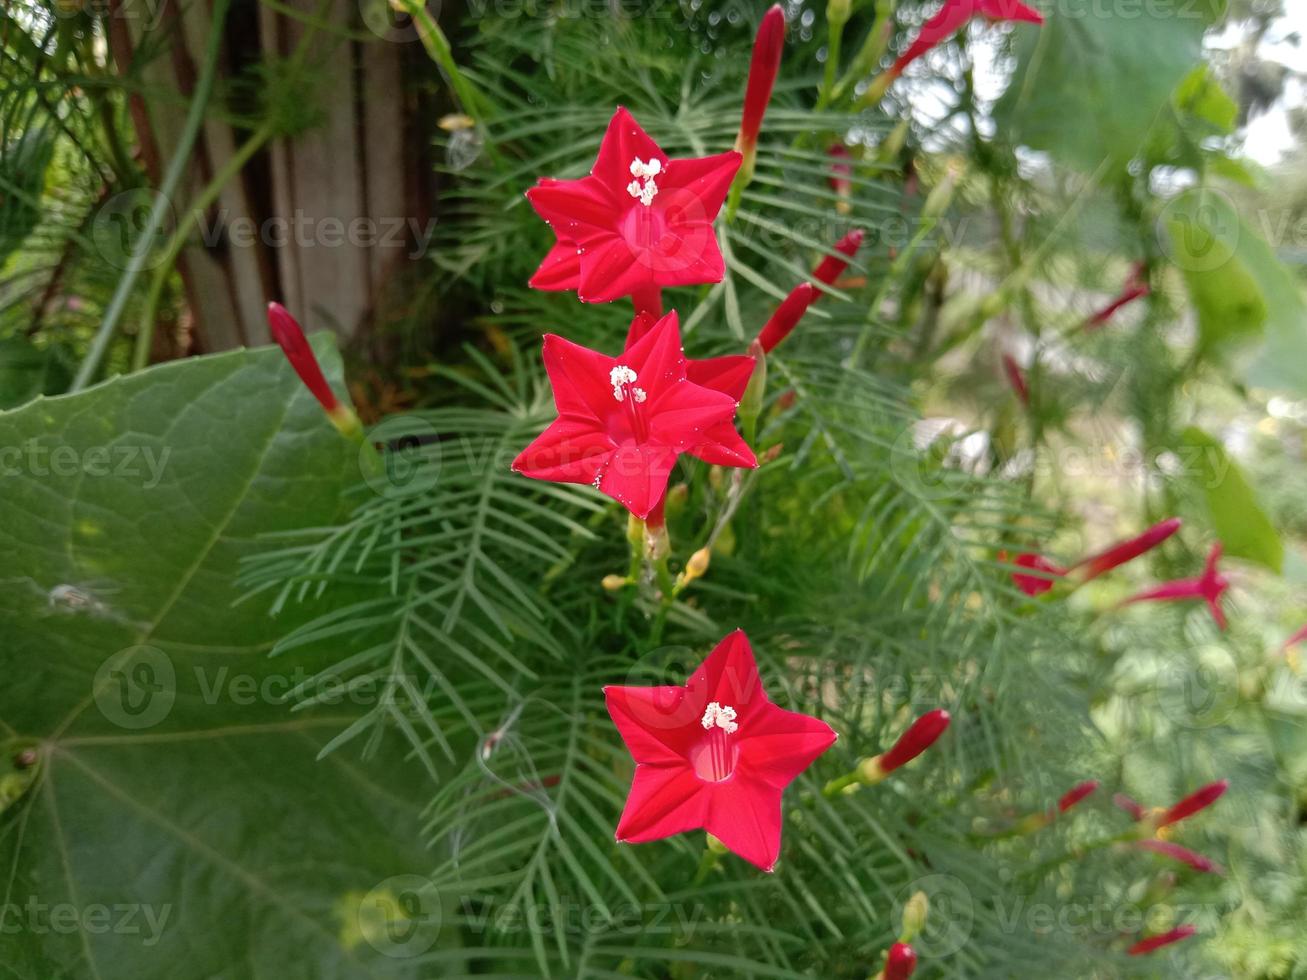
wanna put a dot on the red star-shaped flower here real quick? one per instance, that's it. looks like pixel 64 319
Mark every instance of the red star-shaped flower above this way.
pixel 955 15
pixel 715 754
pixel 639 222
pixel 623 421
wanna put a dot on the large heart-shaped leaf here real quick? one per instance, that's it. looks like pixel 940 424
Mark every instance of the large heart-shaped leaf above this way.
pixel 1092 82
pixel 163 813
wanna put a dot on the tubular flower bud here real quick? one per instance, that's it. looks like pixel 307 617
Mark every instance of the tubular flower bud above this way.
pixel 1194 802
pixel 1135 288
pixel 1136 810
pixel 787 316
pixel 901 962
pixel 832 266
pixel 1076 794
pixel 1016 378
pixel 914 915
pixel 615 583
pixel 1174 851
pixel 921 735
pixel 698 564
pixel 766 62
pixel 1125 551
pixel 1154 943
pixel 290 338
pixel 841 173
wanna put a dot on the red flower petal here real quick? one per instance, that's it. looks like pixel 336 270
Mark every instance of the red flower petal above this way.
pixel 570 450
pixel 729 375
pixel 578 210
pixel 745 815
pixel 706 180
pixel 664 800
pixel 561 269
pixel 624 140
pixel 722 445
pixel 579 377
pixel 636 476
pixel 729 675
pixel 658 724
pixel 780 744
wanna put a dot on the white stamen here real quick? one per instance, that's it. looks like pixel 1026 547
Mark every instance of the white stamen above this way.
pixel 639 394
pixel 621 376
pixel 715 715
pixel 643 187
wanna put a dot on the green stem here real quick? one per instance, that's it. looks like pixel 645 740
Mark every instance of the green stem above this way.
pixel 90 366
pixel 177 241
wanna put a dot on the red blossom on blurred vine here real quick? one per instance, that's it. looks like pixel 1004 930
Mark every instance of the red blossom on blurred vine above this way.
pixel 1077 793
pixel 1194 803
pixel 623 421
pixel 639 222
pixel 1136 287
pixel 956 14
pixel 1154 943
pixel 1209 587
pixel 802 296
pixel 715 754
pixel 1033 585
pixel 1174 851
pixel 1016 377
pixel 901 962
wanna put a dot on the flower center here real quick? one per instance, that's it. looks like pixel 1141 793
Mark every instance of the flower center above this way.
pixel 622 378
pixel 643 188
pixel 627 422
pixel 714 757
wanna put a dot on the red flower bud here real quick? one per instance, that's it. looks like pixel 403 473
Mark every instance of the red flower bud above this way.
pixel 1157 942
pixel 1194 802
pixel 1076 794
pixel 921 735
pixel 1136 287
pixel 901 962
pixel 1033 585
pixel 1128 550
pixel 1167 849
pixel 1136 810
pixel 787 316
pixel 832 266
pixel 1016 378
pixel 1294 640
pixel 762 76
pixel 290 337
